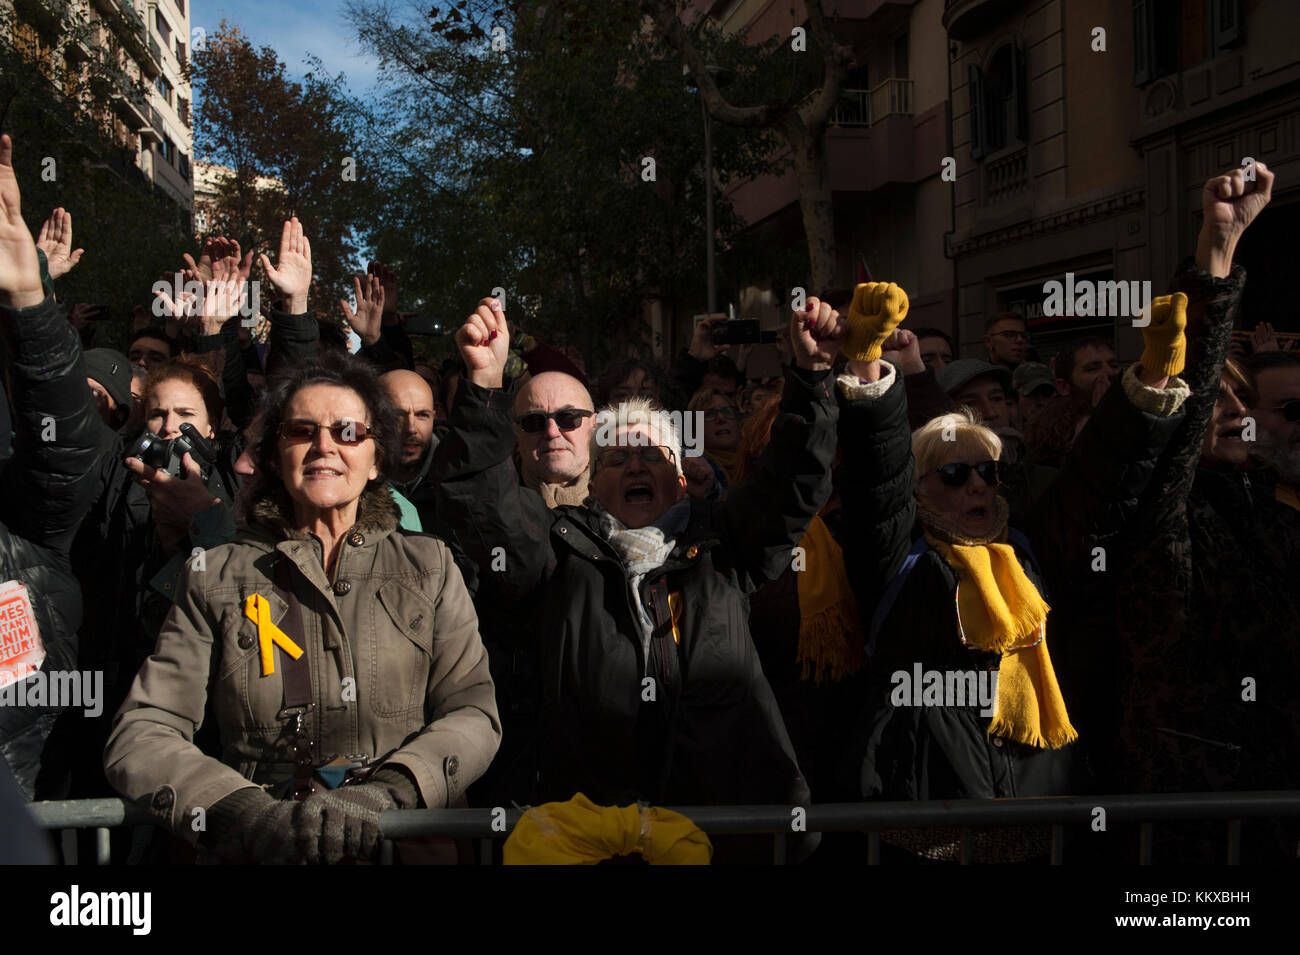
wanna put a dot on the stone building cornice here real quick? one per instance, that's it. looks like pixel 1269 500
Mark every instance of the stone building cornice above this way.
pixel 1103 208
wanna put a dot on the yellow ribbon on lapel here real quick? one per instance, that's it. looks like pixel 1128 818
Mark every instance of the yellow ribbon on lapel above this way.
pixel 258 609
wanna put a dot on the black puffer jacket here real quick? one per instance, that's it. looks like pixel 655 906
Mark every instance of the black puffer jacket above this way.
pixel 943 752
pixel 712 733
pixel 45 489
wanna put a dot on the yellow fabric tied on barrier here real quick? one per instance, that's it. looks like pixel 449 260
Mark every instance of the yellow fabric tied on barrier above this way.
pixel 258 610
pixel 578 832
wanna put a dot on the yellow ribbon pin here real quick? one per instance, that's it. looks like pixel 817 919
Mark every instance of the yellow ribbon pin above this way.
pixel 258 609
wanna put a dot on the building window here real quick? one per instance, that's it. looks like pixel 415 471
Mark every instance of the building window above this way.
pixel 180 5
pixel 184 166
pixel 999 102
pixel 167 149
pixel 200 220
pixel 1173 35
pixel 181 54
pixel 165 89
pixel 162 26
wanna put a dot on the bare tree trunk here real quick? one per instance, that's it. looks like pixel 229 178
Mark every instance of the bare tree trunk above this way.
pixel 813 173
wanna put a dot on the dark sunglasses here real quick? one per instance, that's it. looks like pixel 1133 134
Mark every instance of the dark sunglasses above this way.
pixel 347 432
pixel 957 475
pixel 651 454
pixel 566 420
pixel 1291 409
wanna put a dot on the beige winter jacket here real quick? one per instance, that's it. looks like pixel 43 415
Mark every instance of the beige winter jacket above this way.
pixel 397 667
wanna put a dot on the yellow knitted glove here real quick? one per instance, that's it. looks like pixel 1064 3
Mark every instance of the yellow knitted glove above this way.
pixel 877 309
pixel 1166 342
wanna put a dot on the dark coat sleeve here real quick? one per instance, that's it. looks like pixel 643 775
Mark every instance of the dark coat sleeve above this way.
pixel 47 486
pixel 479 497
pixel 292 342
pixel 234 374
pixel 876 490
pixel 767 513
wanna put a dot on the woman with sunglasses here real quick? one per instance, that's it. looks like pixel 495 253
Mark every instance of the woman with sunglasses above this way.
pixel 340 658
pixel 961 598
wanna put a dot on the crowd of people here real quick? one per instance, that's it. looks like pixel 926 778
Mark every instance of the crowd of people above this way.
pixel 322 578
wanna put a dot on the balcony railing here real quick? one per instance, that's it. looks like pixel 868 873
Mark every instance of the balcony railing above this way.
pixel 1006 176
pixel 893 97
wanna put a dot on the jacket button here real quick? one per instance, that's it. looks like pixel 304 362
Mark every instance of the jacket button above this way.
pixel 691 552
pixel 163 799
pixel 997 741
pixel 342 587
pixel 453 764
pixel 564 530
pixel 356 539
pixel 245 641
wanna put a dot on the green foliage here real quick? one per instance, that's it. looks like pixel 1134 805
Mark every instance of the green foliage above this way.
pixel 288 144
pixel 522 168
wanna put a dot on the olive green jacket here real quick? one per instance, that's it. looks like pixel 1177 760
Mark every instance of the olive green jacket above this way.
pixel 397 669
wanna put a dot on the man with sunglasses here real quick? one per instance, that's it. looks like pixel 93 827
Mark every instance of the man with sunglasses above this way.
pixel 636 604
pixel 553 414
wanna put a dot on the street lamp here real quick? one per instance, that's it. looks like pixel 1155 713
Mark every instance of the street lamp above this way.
pixel 721 77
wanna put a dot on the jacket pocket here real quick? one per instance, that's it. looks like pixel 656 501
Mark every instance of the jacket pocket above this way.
pixel 399 650
pixel 247 700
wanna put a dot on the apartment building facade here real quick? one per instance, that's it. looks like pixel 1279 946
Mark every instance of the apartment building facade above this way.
pixel 885 147
pixel 140 51
pixel 1083 135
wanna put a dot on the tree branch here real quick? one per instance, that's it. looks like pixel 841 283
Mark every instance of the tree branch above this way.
pixel 665 17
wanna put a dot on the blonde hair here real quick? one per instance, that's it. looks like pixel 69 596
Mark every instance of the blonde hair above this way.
pixel 953 434
pixel 635 411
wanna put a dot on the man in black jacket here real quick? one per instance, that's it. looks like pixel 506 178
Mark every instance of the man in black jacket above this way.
pixel 45 486
pixel 651 686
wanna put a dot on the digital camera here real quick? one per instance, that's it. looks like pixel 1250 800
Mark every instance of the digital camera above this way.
pixel 168 454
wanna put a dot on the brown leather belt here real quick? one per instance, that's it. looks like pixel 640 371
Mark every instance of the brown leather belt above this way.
pixel 296 678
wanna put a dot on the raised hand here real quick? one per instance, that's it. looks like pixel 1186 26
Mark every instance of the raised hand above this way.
pixel 1230 203
pixel 369 316
pixel 699 477
pixel 816 335
pixel 292 273
pixel 20 269
pixel 902 349
pixel 1264 338
pixel 1165 338
pixel 55 241
pixel 877 309
pixel 388 278
pixel 702 347
pixel 484 343
pixel 173 500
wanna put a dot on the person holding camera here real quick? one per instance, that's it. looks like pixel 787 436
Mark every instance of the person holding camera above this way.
pixel 341 657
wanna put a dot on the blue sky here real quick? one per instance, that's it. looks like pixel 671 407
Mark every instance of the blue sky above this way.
pixel 294 30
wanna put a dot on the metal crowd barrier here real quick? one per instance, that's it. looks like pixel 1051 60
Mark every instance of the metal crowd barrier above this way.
pixel 868 817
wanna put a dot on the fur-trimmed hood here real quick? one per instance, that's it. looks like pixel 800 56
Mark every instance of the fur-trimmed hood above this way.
pixel 272 512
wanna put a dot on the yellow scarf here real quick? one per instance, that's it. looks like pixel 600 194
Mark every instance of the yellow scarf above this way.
pixel 578 832
pixel 1286 494
pixel 727 460
pixel 1000 609
pixel 829 633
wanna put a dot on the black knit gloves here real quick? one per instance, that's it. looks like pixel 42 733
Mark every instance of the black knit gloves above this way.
pixel 326 828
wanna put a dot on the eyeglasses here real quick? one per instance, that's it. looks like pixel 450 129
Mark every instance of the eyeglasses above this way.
pixel 711 414
pixel 345 432
pixel 651 454
pixel 957 475
pixel 566 419
pixel 1291 409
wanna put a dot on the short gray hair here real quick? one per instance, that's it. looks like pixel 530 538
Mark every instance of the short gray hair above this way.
pixel 635 411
